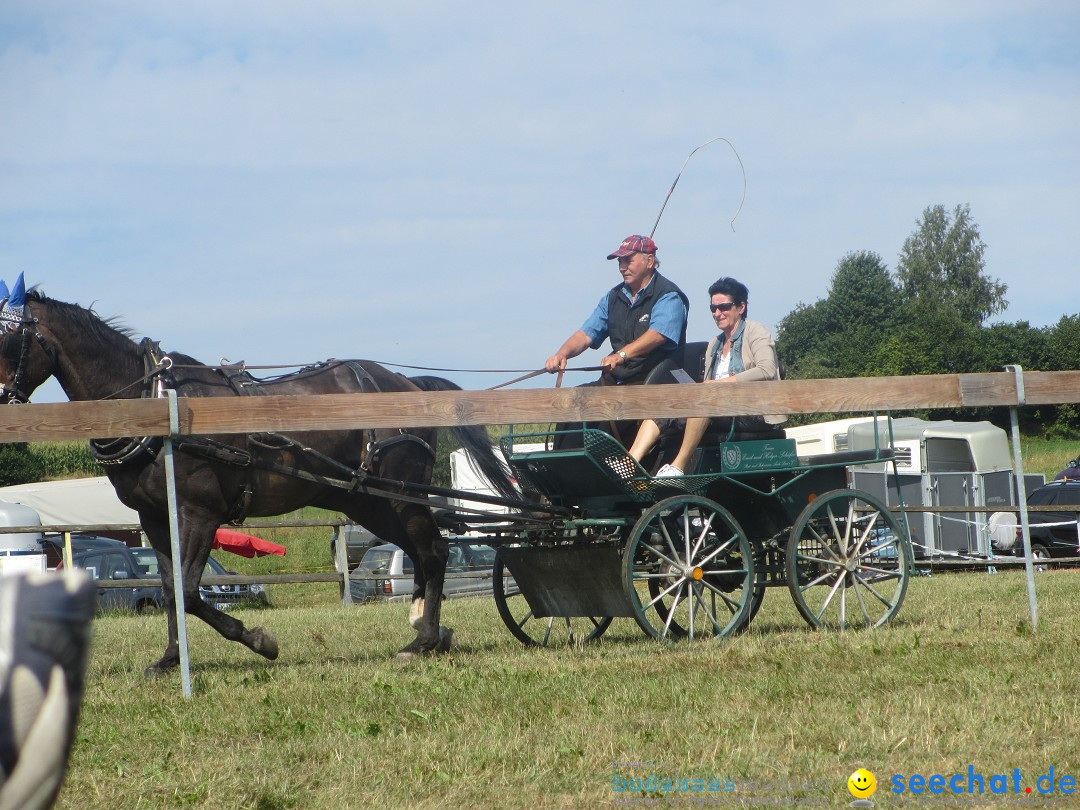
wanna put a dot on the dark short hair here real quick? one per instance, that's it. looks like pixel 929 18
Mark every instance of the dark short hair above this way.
pixel 735 290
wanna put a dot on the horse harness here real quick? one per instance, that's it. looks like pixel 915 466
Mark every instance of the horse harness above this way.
pixel 26 325
pixel 158 375
pixel 244 384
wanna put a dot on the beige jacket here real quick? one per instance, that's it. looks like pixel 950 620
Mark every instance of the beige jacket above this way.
pixel 758 358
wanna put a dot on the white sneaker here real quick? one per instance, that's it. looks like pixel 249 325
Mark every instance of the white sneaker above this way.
pixel 668 471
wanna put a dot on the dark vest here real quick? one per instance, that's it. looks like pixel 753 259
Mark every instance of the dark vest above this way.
pixel 627 323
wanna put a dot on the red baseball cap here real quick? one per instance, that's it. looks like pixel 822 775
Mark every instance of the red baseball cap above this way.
pixel 634 244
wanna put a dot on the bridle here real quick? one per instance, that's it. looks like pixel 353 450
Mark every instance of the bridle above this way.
pixel 26 327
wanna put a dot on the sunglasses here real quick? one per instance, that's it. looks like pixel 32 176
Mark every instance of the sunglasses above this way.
pixel 727 305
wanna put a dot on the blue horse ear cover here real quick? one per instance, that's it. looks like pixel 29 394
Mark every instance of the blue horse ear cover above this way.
pixel 18 293
pixel 4 293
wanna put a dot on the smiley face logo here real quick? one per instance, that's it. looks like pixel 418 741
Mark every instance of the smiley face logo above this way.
pixel 862 784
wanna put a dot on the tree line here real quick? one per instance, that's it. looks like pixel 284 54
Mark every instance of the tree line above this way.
pixel 927 317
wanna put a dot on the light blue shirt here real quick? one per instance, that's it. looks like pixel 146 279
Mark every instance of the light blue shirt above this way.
pixel 668 316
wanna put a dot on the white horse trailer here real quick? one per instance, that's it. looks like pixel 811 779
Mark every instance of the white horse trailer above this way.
pixel 940 463
pixel 945 463
pixel 20 551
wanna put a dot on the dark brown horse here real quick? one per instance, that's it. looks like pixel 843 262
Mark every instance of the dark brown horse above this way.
pixel 225 478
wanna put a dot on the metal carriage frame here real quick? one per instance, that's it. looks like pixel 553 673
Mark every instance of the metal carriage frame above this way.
pixel 692 557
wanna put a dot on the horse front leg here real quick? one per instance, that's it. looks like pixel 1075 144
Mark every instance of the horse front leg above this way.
pixel 158 534
pixel 197 538
pixel 195 542
pixel 170 659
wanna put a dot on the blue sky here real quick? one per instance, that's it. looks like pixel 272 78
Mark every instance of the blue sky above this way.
pixel 437 184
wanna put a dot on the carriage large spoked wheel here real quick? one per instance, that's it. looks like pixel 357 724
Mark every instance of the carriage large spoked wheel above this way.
pixel 688 570
pixel 848 561
pixel 546 631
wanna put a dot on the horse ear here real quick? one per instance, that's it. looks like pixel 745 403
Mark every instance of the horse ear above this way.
pixel 4 293
pixel 18 294
pixel 11 311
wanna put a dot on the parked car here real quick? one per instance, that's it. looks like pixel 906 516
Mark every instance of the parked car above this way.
pixel 220 596
pixel 114 560
pixel 107 559
pixel 52 546
pixel 387 560
pixel 357 541
pixel 1053 534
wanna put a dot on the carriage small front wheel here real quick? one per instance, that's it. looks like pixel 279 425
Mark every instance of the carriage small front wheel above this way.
pixel 688 570
pixel 536 631
pixel 848 561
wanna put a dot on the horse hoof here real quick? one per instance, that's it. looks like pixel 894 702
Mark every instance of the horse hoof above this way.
pixel 447 641
pixel 155 671
pixel 264 643
pixel 416 613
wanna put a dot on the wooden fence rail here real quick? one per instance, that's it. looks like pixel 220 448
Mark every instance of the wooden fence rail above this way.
pixel 217 415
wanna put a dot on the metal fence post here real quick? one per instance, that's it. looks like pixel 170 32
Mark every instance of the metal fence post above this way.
pixel 1021 493
pixel 174 544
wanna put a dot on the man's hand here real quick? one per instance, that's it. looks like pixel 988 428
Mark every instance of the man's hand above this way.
pixel 557 362
pixel 609 363
pixel 574 345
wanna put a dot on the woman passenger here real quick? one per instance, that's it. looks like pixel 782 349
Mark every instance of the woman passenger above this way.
pixel 743 352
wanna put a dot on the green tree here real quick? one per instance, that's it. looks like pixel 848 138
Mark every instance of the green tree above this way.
pixel 802 342
pixel 1063 345
pixel 835 336
pixel 18 465
pixel 942 263
pixel 1006 344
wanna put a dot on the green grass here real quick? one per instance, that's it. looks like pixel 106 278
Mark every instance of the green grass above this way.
pixel 957 680
pixel 1048 456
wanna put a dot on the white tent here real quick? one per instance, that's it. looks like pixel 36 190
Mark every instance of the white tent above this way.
pixel 78 502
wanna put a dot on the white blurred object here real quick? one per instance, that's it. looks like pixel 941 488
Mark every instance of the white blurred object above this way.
pixel 44 644
pixel 1002 527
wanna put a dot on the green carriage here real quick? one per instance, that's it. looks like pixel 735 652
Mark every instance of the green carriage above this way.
pixel 692 557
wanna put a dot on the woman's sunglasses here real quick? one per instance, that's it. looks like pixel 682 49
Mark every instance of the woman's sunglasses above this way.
pixel 722 307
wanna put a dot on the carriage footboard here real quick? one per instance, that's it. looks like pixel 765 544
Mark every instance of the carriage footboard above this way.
pixel 569 580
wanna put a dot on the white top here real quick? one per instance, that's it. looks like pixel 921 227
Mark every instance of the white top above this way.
pixel 723 366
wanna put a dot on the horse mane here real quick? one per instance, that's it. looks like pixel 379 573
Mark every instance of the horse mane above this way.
pixel 106 330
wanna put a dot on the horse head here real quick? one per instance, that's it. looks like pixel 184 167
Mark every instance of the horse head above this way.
pixel 26 358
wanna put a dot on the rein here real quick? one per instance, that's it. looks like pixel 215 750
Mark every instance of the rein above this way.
pixel 538 372
pixel 241 367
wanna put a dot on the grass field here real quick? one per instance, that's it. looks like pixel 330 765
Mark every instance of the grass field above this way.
pixel 957 680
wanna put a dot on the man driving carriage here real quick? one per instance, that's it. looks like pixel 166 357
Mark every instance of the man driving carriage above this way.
pixel 644 317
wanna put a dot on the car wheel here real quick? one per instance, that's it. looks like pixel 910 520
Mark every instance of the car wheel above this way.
pixel 147 606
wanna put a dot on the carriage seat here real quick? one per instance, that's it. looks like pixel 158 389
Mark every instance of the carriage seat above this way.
pixel 692 362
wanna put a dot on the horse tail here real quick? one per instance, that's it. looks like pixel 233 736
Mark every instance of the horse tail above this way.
pixel 477 444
